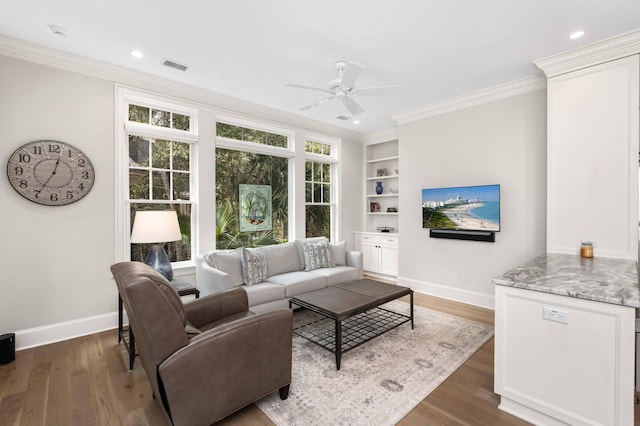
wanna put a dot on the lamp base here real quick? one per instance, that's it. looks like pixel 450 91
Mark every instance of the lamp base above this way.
pixel 158 260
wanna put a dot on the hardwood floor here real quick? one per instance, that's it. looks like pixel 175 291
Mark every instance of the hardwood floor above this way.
pixel 85 381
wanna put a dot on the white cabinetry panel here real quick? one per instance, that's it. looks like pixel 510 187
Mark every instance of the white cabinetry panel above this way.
pixel 579 372
pixel 593 159
pixel 379 252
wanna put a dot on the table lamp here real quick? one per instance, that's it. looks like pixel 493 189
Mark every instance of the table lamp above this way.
pixel 157 227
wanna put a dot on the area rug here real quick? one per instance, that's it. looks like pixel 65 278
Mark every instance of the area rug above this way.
pixel 380 381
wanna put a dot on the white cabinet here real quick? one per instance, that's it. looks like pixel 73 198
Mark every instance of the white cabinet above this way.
pixel 592 167
pixel 574 366
pixel 379 252
pixel 382 167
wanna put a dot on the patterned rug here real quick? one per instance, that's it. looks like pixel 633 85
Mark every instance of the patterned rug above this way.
pixel 380 381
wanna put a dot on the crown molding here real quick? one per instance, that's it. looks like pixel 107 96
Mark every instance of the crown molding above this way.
pixel 607 50
pixel 491 94
pixel 21 49
pixel 381 136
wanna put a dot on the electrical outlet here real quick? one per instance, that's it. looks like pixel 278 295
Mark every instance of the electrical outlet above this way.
pixel 464 278
pixel 555 314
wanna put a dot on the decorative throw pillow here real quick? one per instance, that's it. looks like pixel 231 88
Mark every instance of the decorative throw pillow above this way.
pixel 339 252
pixel 254 266
pixel 317 255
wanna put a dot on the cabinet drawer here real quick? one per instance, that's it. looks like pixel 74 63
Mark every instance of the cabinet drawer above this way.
pixel 367 238
pixel 389 241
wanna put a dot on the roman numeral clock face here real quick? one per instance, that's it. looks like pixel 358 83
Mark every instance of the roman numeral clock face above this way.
pixel 50 172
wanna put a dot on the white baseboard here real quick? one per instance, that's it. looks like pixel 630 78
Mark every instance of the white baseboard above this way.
pixel 450 293
pixel 528 414
pixel 53 333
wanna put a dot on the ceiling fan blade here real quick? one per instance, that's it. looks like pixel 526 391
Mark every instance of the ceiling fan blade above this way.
pixel 303 86
pixel 353 107
pixel 351 73
pixel 318 102
pixel 377 91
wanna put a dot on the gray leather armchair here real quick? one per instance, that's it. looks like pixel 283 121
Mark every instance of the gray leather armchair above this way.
pixel 208 358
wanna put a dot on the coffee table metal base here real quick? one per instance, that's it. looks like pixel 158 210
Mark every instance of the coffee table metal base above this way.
pixel 341 333
pixel 354 331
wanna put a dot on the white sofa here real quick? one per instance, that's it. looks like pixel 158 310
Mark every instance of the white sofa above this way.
pixel 287 272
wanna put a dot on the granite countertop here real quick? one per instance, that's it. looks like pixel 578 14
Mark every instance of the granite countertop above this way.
pixel 599 279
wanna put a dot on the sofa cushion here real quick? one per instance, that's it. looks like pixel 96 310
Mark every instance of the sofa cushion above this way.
pixel 281 258
pixel 300 282
pixel 317 255
pixel 254 266
pixel 339 274
pixel 229 262
pixel 339 252
pixel 264 293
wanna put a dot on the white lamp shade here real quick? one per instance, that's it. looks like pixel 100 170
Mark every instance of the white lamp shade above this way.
pixel 155 227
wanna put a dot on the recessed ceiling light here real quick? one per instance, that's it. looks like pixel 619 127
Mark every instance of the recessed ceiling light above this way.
pixel 576 34
pixel 356 121
pixel 137 54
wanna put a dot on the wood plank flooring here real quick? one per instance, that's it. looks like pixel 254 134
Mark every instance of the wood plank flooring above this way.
pixel 85 381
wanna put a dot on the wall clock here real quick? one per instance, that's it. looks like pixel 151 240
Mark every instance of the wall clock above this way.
pixel 50 172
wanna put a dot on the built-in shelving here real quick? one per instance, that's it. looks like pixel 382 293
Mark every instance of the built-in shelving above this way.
pixel 381 165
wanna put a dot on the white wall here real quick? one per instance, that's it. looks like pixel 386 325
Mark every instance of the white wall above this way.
pixel 499 142
pixel 352 190
pixel 55 260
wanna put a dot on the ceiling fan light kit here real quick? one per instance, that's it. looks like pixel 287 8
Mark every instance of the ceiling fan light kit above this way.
pixel 344 88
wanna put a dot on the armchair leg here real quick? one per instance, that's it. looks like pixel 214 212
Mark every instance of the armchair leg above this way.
pixel 284 392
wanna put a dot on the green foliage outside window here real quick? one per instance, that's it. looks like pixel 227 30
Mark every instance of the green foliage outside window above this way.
pixel 251 135
pixel 318 199
pixel 237 167
pixel 159 171
pixel 158 117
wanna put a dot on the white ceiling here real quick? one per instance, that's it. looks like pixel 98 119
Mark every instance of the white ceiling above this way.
pixel 249 49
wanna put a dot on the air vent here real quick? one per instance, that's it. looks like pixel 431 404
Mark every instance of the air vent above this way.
pixel 175 65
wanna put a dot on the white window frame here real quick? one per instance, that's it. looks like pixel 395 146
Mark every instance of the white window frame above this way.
pixel 334 161
pixel 125 128
pixel 257 148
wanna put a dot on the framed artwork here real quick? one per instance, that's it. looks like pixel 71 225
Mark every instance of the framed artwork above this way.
pixel 255 208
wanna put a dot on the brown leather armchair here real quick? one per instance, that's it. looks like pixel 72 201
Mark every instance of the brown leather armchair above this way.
pixel 208 358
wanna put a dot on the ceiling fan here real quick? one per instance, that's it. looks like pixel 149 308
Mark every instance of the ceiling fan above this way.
pixel 344 88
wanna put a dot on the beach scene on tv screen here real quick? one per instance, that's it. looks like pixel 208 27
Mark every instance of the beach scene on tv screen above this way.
pixel 474 208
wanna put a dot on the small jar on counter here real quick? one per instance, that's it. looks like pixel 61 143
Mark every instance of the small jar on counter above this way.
pixel 586 249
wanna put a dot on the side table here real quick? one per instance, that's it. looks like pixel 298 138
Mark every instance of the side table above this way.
pixel 182 287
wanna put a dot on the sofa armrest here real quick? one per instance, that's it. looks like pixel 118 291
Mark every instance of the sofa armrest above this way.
pixel 251 357
pixel 214 307
pixel 354 258
pixel 211 280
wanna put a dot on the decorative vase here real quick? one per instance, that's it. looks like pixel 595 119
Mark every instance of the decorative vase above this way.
pixel 379 188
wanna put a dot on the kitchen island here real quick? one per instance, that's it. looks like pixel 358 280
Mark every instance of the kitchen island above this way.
pixel 565 340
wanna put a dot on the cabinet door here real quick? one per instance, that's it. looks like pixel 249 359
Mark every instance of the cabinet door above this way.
pixel 592 159
pixel 370 256
pixel 388 259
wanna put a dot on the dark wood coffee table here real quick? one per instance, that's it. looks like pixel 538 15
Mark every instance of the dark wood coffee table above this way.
pixel 354 306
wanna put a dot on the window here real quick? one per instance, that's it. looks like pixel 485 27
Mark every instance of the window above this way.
pixel 246 134
pixel 159 145
pixel 241 170
pixel 319 203
pixel 163 162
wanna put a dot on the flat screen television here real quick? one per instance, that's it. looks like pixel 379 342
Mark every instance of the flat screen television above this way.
pixel 464 208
